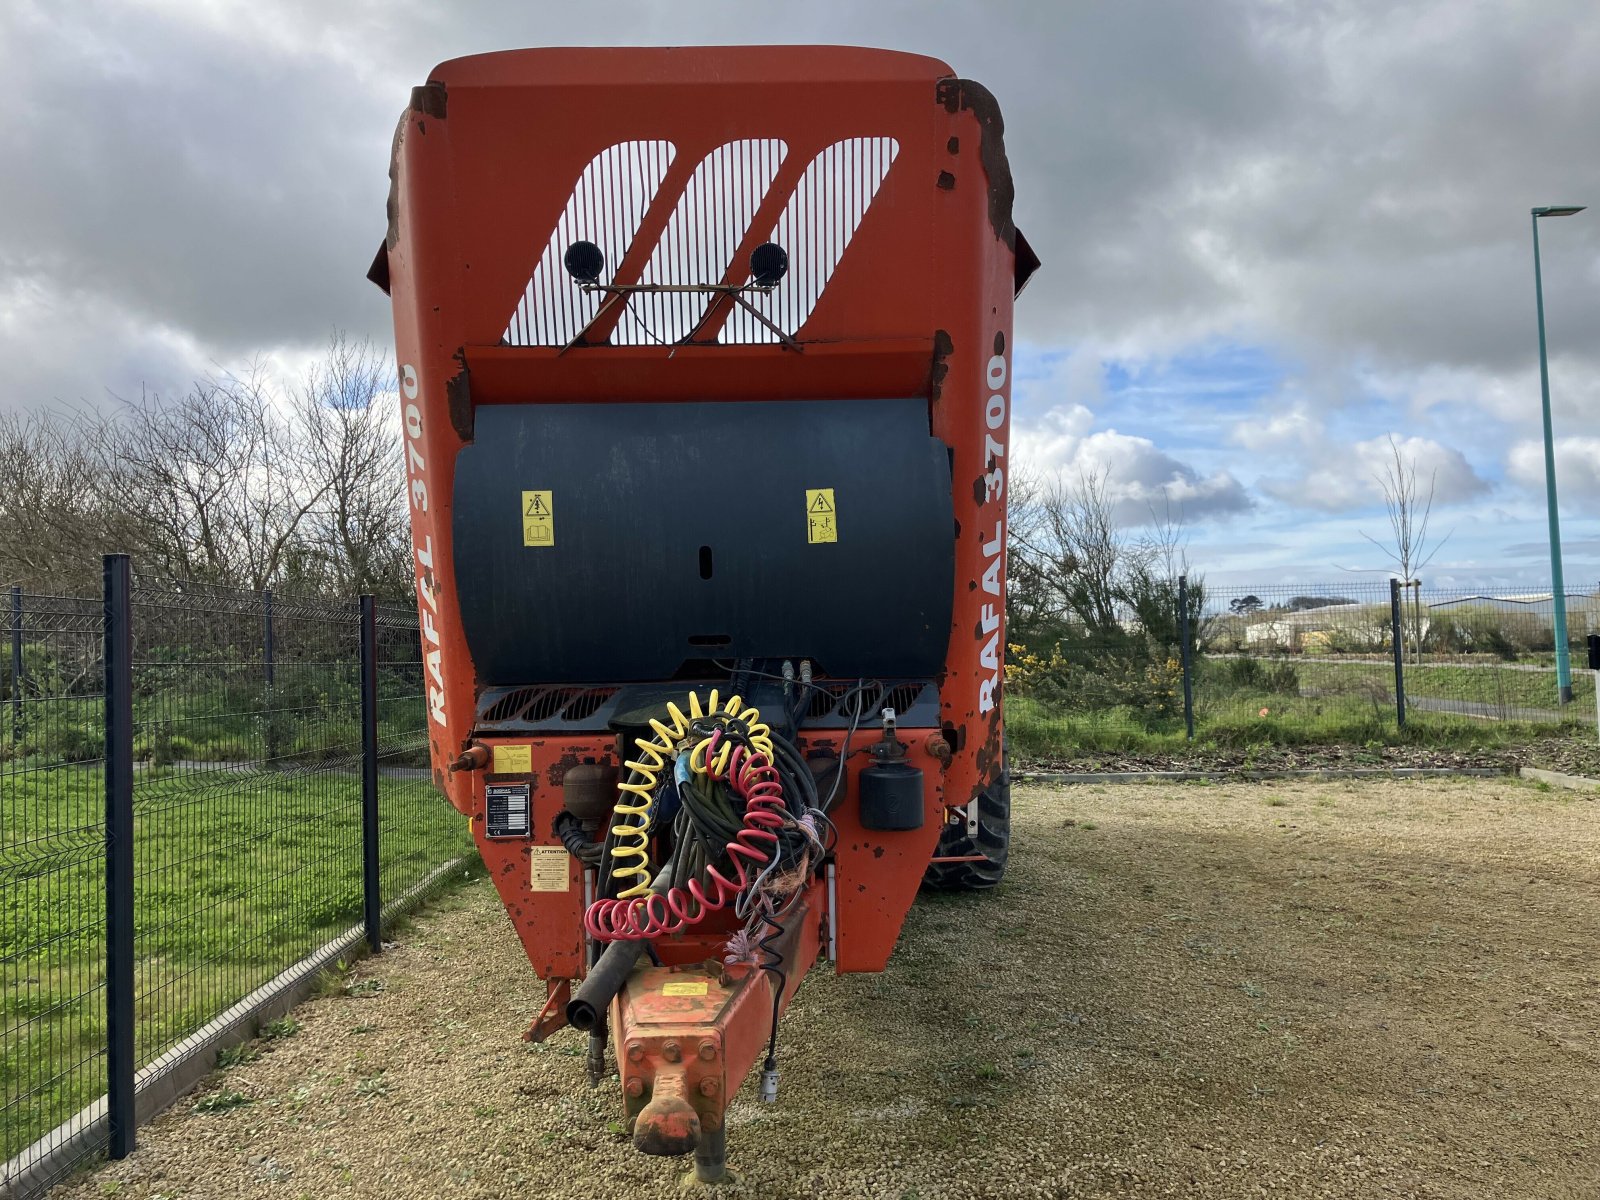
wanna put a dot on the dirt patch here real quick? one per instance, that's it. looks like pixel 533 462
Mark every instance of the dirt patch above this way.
pixel 1302 989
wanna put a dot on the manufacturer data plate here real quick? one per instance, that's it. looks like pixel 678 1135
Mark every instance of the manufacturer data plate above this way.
pixel 507 813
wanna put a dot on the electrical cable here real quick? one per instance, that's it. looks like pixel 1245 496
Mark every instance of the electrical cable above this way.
pixel 736 749
pixel 748 828
pixel 855 721
pixel 627 853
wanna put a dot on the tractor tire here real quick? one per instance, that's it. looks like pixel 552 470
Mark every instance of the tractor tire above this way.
pixel 991 839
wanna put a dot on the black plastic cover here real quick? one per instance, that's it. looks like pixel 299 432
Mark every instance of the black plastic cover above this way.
pixel 891 796
pixel 663 533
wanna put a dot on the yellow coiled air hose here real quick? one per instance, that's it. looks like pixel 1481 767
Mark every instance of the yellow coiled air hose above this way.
pixel 630 832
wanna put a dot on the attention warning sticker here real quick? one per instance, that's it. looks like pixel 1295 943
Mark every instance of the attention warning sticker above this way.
pixel 822 522
pixel 549 868
pixel 686 987
pixel 538 520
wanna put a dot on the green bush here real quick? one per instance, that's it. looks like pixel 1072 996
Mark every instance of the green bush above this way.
pixel 1471 631
pixel 75 743
pixel 1260 675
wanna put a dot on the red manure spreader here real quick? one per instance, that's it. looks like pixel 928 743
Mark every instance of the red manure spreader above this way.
pixel 705 368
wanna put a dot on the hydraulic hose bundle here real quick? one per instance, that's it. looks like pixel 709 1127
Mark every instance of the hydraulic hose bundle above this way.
pixel 737 830
pixel 747 829
pixel 627 846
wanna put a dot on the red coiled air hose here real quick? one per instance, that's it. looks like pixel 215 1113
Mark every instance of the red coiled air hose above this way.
pixel 755 780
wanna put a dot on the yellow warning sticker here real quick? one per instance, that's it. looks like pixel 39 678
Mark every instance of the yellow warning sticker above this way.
pixel 686 987
pixel 822 522
pixel 550 868
pixel 538 521
pixel 513 760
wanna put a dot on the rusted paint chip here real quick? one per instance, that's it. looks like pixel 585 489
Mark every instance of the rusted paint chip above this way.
pixel 429 100
pixel 458 391
pixel 943 347
pixel 958 94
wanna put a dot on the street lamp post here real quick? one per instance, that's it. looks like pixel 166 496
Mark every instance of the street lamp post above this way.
pixel 1558 588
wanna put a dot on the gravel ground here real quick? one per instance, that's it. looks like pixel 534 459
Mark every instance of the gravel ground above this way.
pixel 1575 754
pixel 1330 989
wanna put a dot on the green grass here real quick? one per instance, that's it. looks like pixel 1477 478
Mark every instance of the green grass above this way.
pixel 1495 686
pixel 221 713
pixel 238 875
pixel 1234 720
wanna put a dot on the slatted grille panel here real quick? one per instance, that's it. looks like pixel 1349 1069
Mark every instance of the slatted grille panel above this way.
pixel 705 231
pixel 508 706
pixel 606 208
pixel 816 228
pixel 588 703
pixel 707 227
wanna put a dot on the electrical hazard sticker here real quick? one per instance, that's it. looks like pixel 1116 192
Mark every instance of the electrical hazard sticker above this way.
pixel 686 987
pixel 549 868
pixel 822 522
pixel 538 521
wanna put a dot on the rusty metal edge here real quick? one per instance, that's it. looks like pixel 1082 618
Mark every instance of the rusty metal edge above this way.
pixel 1235 775
pixel 80 1140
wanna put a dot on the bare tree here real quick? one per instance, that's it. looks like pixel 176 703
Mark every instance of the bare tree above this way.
pixel 1034 610
pixel 1072 563
pixel 1089 550
pixel 57 511
pixel 219 478
pixel 1410 508
pixel 357 538
pixel 238 481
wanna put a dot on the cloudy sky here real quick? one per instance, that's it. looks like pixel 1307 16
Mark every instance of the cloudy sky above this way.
pixel 1274 234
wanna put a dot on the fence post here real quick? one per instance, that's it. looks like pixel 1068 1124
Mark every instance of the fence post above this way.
pixel 1399 653
pixel 119 853
pixel 269 675
pixel 371 882
pixel 266 636
pixel 1183 635
pixel 17 728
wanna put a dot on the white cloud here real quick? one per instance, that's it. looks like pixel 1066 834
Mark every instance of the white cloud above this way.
pixel 1340 478
pixel 1142 481
pixel 192 184
pixel 1510 395
pixel 1293 426
pixel 1577 467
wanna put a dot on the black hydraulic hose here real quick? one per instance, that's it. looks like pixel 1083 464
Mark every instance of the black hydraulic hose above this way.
pixel 588 1005
pixel 586 1009
pixel 576 839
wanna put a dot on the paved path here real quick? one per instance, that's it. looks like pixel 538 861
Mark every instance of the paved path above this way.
pixel 1489 712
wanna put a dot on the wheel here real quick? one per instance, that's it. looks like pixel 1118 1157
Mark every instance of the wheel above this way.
pixel 989 835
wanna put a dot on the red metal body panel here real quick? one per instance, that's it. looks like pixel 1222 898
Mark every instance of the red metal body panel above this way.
pixel 485 159
pixel 878 873
pixel 550 923
pixel 707 1036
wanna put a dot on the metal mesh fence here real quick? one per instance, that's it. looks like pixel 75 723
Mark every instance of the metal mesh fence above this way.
pixel 1313 658
pixel 247 799
pixel 1307 663
pixel 418 831
pixel 1331 650
pixel 52 866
